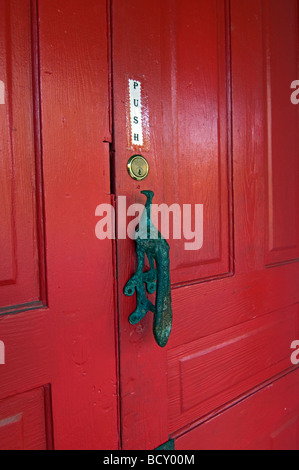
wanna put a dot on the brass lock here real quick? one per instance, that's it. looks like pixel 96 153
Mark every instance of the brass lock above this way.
pixel 137 167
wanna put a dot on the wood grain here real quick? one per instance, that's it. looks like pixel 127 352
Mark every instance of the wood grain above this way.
pixel 68 344
pixel 21 271
pixel 273 411
pixel 205 81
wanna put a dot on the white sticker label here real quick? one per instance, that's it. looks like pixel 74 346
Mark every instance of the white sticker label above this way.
pixel 2 92
pixel 135 112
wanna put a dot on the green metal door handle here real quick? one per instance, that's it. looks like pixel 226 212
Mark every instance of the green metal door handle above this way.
pixel 150 242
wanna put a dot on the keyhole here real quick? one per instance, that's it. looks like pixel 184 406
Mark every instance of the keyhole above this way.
pixel 137 167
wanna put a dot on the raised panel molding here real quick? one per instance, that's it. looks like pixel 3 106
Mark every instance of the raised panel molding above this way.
pixel 23 421
pixel 198 155
pixel 281 57
pixel 207 373
pixel 266 420
pixel 22 278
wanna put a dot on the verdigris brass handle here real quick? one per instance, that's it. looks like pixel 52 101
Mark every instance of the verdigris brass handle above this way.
pixel 150 242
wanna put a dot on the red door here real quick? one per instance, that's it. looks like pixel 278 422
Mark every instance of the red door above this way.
pixel 218 129
pixel 58 383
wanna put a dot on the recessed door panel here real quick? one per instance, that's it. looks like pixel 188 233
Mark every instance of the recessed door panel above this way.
pixel 22 264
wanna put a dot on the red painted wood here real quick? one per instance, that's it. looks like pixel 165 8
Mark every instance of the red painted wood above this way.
pixel 281 33
pixel 209 75
pixel 212 94
pixel 69 344
pixel 205 374
pixel 22 421
pixel 20 275
pixel 267 420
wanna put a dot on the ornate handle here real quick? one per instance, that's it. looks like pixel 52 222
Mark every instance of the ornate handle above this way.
pixel 149 241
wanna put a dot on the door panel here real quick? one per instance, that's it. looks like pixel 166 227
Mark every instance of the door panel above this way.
pixel 59 378
pixel 23 421
pixel 198 96
pixel 208 74
pixel 181 96
pixel 273 412
pixel 215 369
pixel 280 26
pixel 21 271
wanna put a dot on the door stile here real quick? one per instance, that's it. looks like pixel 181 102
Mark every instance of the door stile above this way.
pixel 111 142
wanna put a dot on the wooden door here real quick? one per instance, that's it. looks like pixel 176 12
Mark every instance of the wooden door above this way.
pixel 218 129
pixel 57 316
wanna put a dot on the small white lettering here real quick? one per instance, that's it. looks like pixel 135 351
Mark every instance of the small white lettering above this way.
pixel 172 459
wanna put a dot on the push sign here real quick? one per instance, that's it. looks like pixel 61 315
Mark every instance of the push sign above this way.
pixel 135 112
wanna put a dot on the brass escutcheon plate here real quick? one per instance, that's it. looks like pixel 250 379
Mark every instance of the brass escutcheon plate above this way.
pixel 137 167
